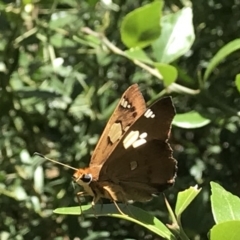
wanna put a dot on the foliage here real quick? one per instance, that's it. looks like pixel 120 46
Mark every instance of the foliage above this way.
pixel 63 67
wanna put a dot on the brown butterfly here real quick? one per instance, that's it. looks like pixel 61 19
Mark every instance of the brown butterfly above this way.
pixel 133 159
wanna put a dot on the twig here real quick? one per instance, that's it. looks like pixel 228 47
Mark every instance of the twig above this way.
pixel 174 86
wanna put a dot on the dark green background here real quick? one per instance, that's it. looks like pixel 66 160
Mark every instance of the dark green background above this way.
pixel 62 111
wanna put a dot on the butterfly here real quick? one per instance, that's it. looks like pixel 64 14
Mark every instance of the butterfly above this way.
pixel 132 160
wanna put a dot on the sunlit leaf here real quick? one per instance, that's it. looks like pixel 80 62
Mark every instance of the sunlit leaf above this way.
pixel 237 82
pixel 184 198
pixel 138 54
pixel 190 120
pixel 61 19
pixel 177 36
pixel 225 206
pixel 133 214
pixel 168 72
pixel 221 55
pixel 229 230
pixel 38 178
pixel 142 26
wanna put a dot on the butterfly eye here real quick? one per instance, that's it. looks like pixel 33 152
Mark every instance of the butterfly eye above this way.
pixel 86 178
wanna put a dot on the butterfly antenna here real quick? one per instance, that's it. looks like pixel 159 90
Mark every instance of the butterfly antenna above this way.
pixel 51 160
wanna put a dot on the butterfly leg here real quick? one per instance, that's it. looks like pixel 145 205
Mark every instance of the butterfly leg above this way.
pixel 96 198
pixel 101 202
pixel 79 194
pixel 112 198
pixel 118 208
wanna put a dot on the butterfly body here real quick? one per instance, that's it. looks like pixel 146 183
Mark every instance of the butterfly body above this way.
pixel 133 159
pixel 98 189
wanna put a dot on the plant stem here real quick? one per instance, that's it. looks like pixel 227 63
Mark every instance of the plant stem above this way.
pixel 174 86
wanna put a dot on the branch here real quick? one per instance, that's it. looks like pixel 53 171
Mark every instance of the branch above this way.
pixel 174 87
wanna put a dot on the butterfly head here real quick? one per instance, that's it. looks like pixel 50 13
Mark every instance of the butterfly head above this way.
pixel 82 177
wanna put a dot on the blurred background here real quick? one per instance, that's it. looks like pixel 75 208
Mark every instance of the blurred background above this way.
pixel 59 86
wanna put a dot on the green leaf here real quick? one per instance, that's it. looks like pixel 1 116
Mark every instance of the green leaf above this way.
pixel 139 216
pixel 229 230
pixel 38 177
pixel 88 40
pixel 185 198
pixel 177 36
pixel 237 82
pixel 168 72
pixel 142 26
pixel 221 55
pixel 190 120
pixel 225 206
pixel 20 193
pixel 138 54
pixel 62 19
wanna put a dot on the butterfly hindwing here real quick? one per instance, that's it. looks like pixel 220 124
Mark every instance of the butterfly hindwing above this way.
pixel 142 162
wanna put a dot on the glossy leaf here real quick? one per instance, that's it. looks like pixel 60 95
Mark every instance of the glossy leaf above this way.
pixel 185 198
pixel 229 230
pixel 237 82
pixel 190 120
pixel 175 40
pixel 168 72
pixel 138 216
pixel 221 55
pixel 38 177
pixel 138 54
pixel 225 206
pixel 136 31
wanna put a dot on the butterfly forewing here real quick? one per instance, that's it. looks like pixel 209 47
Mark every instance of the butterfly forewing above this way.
pixel 131 106
pixel 142 162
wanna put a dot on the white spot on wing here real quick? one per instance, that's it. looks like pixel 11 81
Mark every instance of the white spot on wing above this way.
pixel 143 135
pixel 149 114
pixel 125 104
pixel 139 142
pixel 130 139
pixel 146 114
pixel 134 139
